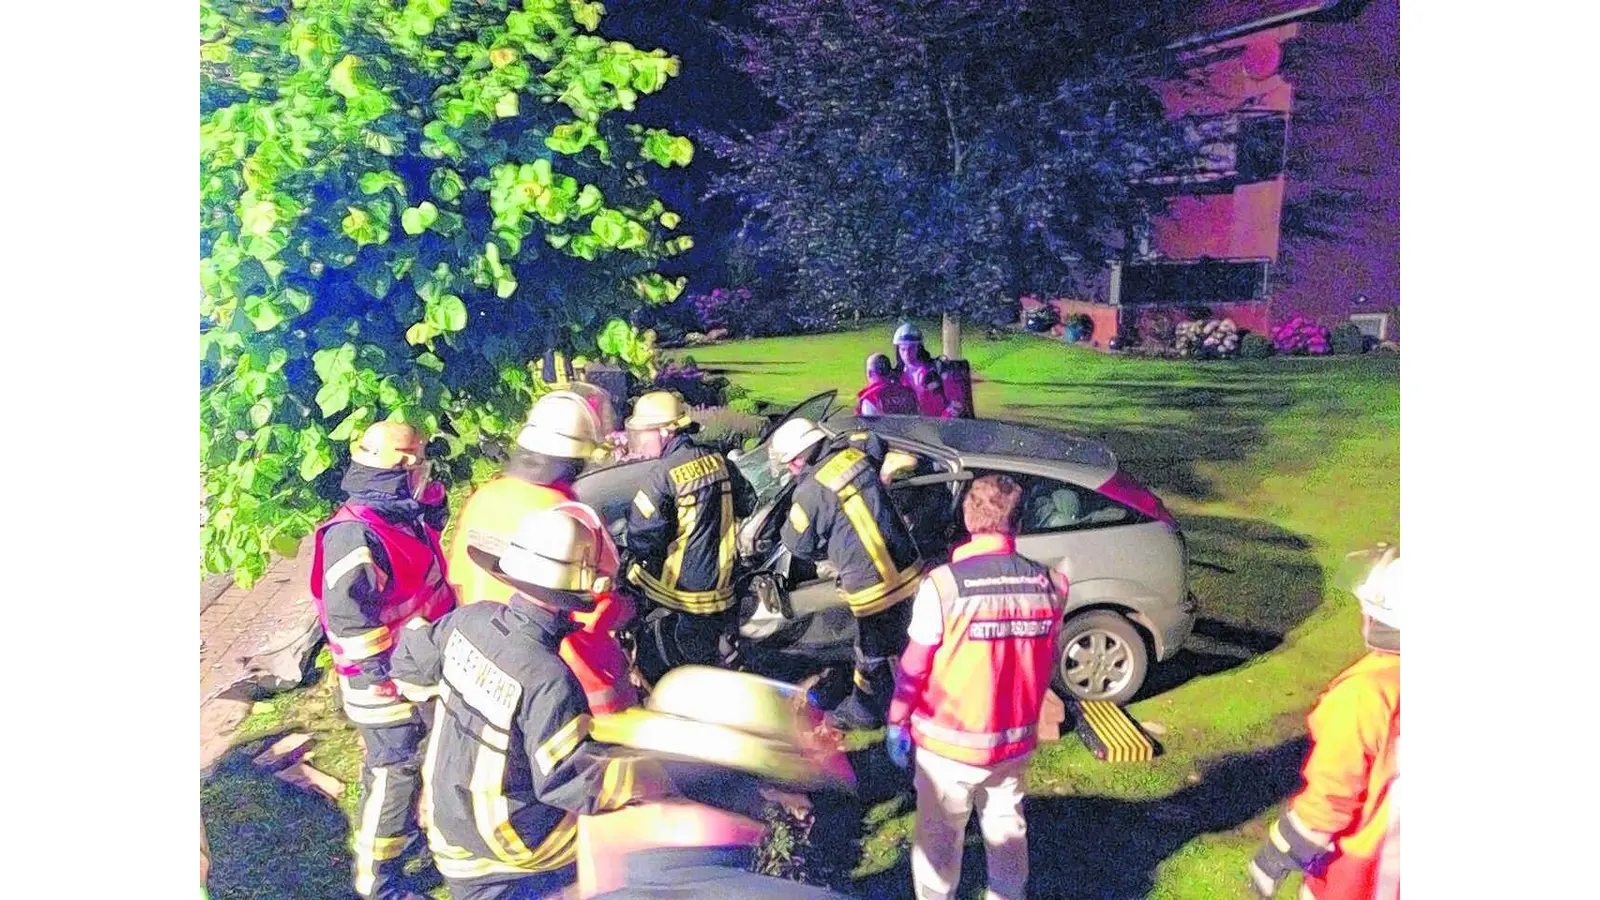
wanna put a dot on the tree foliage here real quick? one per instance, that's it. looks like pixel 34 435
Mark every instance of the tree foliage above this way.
pixel 402 203
pixel 946 155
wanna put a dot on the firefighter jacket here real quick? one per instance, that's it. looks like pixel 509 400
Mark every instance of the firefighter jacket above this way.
pixel 1335 827
pixel 681 528
pixel 1000 615
pixel 841 512
pixel 592 653
pixel 372 571
pixel 496 508
pixel 510 764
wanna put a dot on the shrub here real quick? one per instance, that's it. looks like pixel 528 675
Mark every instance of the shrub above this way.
pixel 1157 329
pixel 721 308
pixel 1347 340
pixel 1043 318
pixel 1256 346
pixel 1300 336
pixel 1212 339
pixel 726 428
pixel 693 384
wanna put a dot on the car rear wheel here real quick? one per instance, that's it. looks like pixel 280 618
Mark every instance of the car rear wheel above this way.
pixel 1101 656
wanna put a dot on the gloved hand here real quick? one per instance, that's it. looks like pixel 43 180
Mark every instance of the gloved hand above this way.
pixel 898 743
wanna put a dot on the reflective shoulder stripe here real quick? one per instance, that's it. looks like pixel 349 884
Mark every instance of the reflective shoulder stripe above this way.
pixel 365 645
pixel 355 559
pixel 798 518
pixel 562 744
pixel 837 472
pixel 646 507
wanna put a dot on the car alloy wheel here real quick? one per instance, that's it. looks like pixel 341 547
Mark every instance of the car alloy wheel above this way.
pixel 1097 664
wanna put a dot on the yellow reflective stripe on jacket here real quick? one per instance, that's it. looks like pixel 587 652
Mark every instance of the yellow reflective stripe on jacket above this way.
pixel 365 707
pixel 365 645
pixel 725 550
pixel 798 518
pixel 696 602
pixel 866 528
pixel 646 506
pixel 672 566
pixel 879 597
pixel 355 559
pixel 556 851
pixel 838 471
pixel 490 811
pixel 562 744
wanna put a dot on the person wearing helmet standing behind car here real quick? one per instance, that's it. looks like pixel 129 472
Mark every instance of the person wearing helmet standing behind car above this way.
pixel 561 435
pixel 1342 828
pixel 912 361
pixel 841 512
pixel 377 564
pixel 511 764
pixel 680 538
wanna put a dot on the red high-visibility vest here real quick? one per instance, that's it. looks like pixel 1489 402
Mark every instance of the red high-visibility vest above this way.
pixel 417 587
pixel 1002 614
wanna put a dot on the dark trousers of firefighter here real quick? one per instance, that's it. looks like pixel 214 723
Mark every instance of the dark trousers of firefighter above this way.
pixel 880 638
pixel 386 821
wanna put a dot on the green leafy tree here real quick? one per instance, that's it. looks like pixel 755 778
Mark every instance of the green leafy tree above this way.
pixel 402 203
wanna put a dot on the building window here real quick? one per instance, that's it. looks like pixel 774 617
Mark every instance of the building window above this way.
pixel 1233 148
pixel 1205 281
pixel 1373 325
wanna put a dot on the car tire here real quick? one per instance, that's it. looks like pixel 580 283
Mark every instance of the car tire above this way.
pixel 1100 656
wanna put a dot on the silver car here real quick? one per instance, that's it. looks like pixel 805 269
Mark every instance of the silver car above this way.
pixel 1122 551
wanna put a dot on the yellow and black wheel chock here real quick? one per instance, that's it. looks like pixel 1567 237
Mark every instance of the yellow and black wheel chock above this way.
pixel 1109 733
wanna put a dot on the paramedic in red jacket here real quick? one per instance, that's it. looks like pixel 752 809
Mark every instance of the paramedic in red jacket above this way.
pixel 884 394
pixel 971 685
pixel 378 565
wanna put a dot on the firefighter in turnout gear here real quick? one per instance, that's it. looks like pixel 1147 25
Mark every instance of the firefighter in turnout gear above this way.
pixel 563 431
pixel 842 513
pixel 378 565
pixel 1342 828
pixel 681 527
pixel 510 764
pixel 971 686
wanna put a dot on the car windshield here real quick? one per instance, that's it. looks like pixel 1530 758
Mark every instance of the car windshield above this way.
pixel 757 465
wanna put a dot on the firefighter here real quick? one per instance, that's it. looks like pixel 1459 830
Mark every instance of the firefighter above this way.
pixel 562 433
pixel 722 738
pixel 971 685
pixel 1341 829
pixel 681 526
pixel 841 513
pixel 378 564
pixel 510 763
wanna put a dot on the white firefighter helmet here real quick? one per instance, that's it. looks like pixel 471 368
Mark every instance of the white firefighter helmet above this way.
pixel 553 556
pixel 561 424
pixel 1373 575
pixel 794 437
pixel 732 720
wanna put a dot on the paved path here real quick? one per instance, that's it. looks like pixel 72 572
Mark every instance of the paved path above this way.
pixel 235 626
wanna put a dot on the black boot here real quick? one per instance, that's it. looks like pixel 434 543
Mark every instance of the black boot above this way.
pixel 868 704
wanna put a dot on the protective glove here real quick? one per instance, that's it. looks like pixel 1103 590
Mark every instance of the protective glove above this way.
pixel 898 743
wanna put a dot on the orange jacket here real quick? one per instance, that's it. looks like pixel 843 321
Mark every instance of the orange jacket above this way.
pixel 1354 758
pixel 592 653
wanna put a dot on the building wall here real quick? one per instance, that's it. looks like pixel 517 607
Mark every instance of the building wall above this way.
pixel 1331 226
pixel 1344 171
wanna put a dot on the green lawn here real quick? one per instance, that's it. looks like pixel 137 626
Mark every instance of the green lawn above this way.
pixel 1275 469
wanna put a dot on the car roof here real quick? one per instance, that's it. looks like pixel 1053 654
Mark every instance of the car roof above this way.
pixel 985 437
